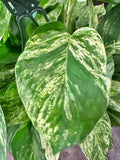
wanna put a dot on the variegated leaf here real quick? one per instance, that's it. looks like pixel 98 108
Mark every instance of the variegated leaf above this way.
pixel 61 79
pixel 4 19
pixel 97 143
pixel 48 150
pixel 2 136
pixel 12 106
pixel 114 104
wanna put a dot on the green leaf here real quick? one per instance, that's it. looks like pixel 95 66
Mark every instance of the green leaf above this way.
pixel 4 19
pixel 100 10
pixel 26 144
pixel 81 11
pixel 52 15
pixel 12 106
pixel 6 74
pixel 61 79
pixel 97 143
pixel 110 1
pixel 48 3
pixel 110 6
pixel 2 136
pixel 11 131
pixel 8 55
pixel 108 29
pixel 110 66
pixel 114 111
pixel 116 75
pixel 114 104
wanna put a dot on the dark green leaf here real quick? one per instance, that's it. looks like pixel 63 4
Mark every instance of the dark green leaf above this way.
pixel 110 1
pixel 108 29
pixel 110 6
pixel 60 77
pixel 116 75
pixel 8 55
pixel 97 143
pixel 2 136
pixel 26 144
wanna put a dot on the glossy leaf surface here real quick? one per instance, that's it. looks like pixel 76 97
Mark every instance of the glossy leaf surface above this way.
pixel 108 29
pixel 2 136
pixel 26 144
pixel 96 144
pixel 55 75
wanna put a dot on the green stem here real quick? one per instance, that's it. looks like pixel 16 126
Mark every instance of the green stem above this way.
pixel 71 4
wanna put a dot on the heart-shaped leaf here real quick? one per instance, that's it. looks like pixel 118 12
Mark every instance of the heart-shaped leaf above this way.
pixel 61 79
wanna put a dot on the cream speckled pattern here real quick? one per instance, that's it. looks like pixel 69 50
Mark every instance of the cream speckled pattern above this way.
pixel 61 79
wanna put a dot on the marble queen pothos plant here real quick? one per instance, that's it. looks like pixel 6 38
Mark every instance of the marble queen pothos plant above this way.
pixel 64 89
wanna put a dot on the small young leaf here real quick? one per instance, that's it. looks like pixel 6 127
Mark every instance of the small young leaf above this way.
pixel 26 144
pixel 2 136
pixel 97 143
pixel 61 79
